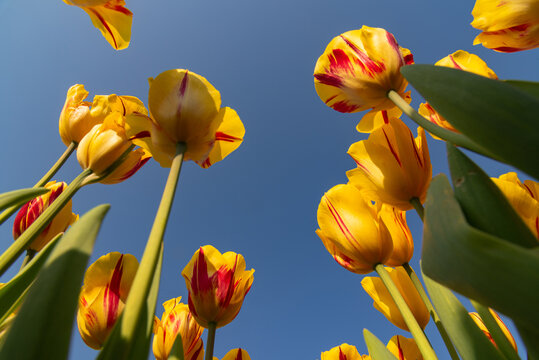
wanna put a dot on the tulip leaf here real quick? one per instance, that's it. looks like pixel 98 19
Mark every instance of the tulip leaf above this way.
pixel 377 349
pixel 18 197
pixel 42 327
pixel 482 267
pixel 499 117
pixel 483 203
pixel 469 340
pixel 529 337
pixel 13 290
pixel 176 353
pixel 531 87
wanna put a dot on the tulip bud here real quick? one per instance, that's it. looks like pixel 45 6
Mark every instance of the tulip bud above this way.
pixel 217 285
pixel 102 298
pixel 479 322
pixel 34 208
pixel 384 303
pixel 75 118
pixel 177 319
pixel 237 354
pixel 404 348
pixel 342 352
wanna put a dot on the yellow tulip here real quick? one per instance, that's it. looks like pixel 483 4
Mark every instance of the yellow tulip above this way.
pixel 34 208
pixel 404 348
pixel 342 352
pixel 102 298
pixel 351 230
pixel 524 197
pixel 177 319
pixel 185 107
pixel 507 26
pixel 479 322
pixel 393 167
pixel 384 303
pixel 217 285
pixel 358 68
pixel 461 60
pixel 403 243
pixel 236 354
pixel 111 17
pixel 75 118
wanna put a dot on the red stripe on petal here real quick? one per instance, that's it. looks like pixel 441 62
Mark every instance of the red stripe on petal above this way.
pixel 200 281
pixel 416 150
pixel 225 284
pixel 395 155
pixel 457 66
pixel 344 107
pixel 112 293
pixel 342 356
pixel 340 222
pixel 329 79
pixel 385 117
pixel 221 136
pixel 239 356
pixel 370 65
pixel 399 347
pixel 105 25
pixel 118 8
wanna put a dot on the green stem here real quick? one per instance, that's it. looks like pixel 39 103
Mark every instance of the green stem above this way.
pixel 210 341
pixel 29 256
pixel 97 178
pixel 26 238
pixel 9 211
pixel 448 135
pixel 145 273
pixel 423 294
pixel 416 203
pixel 421 340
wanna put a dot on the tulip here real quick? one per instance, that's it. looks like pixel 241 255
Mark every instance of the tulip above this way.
pixel 75 118
pixel 111 17
pixel 351 230
pixel 342 352
pixel 185 107
pixel 404 348
pixel 393 167
pixel 461 60
pixel 403 244
pixel 523 197
pixel 357 70
pixel 102 298
pixel 34 208
pixel 479 322
pixel 177 319
pixel 507 26
pixel 384 303
pixel 237 354
pixel 217 285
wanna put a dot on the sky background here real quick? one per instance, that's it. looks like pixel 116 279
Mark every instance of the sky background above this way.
pixel 262 200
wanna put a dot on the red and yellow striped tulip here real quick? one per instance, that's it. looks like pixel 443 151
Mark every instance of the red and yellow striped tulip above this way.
pixel 34 208
pixel 479 322
pixel 177 319
pixel 384 303
pixel 217 285
pixel 403 243
pixel 111 17
pixel 404 348
pixel 392 166
pixel 186 108
pixel 342 352
pixel 352 231
pixel 358 68
pixel 102 298
pixel 236 354
pixel 507 26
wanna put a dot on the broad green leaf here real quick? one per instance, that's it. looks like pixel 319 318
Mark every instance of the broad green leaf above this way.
pixel 529 337
pixel 13 290
pixel 19 197
pixel 483 204
pixel 497 116
pixel 470 341
pixel 176 353
pixel 482 267
pixel 531 87
pixel 42 327
pixel 377 349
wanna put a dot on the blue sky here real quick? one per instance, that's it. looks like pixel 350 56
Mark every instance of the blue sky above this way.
pixel 261 201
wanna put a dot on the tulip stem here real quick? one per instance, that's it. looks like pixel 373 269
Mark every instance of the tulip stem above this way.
pixel 29 256
pixel 423 294
pixel 448 135
pixel 96 178
pixel 421 340
pixel 416 203
pixel 9 211
pixel 210 341
pixel 26 238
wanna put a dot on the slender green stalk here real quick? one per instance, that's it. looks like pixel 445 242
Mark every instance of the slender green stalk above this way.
pixel 29 256
pixel 448 135
pixel 421 340
pixel 93 178
pixel 141 284
pixel 418 207
pixel 423 294
pixel 210 341
pixel 9 211
pixel 26 238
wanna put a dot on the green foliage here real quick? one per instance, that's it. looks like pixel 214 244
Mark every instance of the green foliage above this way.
pixel 377 349
pixel 177 349
pixel 532 88
pixel 16 198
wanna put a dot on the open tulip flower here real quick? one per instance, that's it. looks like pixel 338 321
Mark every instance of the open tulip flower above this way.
pixel 177 319
pixel 217 285
pixel 479 322
pixel 507 26
pixel 236 354
pixel 392 166
pixel 342 352
pixel 102 298
pixel 524 197
pixel 358 68
pixel 384 303
pixel 34 208
pixel 186 108
pixel 352 231
pixel 461 60
pixel 403 243
pixel 111 17
pixel 404 348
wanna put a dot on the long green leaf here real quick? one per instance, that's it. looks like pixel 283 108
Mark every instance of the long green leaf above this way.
pixel 42 328
pixel 497 116
pixel 531 87
pixel 482 267
pixel 19 197
pixel 377 349
pixel 470 341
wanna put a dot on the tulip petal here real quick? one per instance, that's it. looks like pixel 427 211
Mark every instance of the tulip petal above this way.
pixel 114 22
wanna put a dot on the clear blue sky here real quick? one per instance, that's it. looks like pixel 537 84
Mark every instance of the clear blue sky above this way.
pixel 261 201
